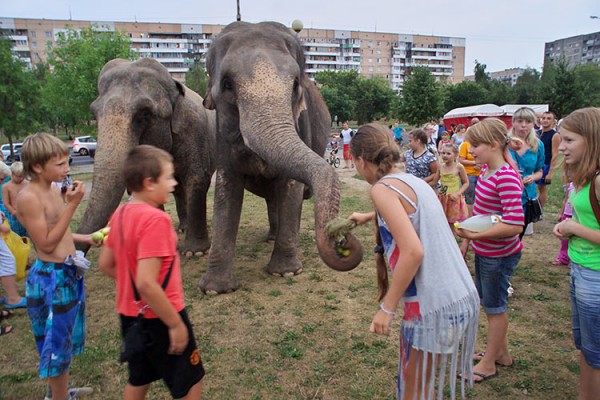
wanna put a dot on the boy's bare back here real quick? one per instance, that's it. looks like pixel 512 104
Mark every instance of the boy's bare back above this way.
pixel 12 190
pixel 40 207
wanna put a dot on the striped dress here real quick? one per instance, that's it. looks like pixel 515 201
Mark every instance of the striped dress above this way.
pixel 499 193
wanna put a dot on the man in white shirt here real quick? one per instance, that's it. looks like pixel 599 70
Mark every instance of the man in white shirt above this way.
pixel 345 138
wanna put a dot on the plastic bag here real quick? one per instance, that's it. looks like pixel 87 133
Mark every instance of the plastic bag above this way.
pixel 19 246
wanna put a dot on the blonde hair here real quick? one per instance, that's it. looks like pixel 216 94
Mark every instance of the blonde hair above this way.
pixel 452 147
pixel 528 115
pixel 40 148
pixel 4 170
pixel 584 122
pixel 490 131
pixel 16 168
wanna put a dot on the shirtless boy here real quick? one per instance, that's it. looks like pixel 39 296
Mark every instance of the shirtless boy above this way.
pixel 55 292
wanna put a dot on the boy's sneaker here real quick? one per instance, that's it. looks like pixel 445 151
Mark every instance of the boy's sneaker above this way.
pixel 74 392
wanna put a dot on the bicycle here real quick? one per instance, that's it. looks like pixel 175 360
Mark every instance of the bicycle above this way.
pixel 332 159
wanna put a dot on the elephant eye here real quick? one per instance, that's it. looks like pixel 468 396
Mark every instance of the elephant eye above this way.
pixel 226 84
pixel 296 86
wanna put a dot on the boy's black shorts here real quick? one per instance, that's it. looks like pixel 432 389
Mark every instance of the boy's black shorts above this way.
pixel 179 372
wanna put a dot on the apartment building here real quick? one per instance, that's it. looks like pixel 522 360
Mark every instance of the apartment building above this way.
pixel 507 76
pixel 178 46
pixel 577 50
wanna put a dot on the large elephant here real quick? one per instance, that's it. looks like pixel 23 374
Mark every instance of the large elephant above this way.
pixel 140 103
pixel 272 128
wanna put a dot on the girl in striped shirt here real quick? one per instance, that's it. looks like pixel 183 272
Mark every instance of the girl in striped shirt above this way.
pixel 497 250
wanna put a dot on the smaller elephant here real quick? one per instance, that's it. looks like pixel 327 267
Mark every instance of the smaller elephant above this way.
pixel 140 103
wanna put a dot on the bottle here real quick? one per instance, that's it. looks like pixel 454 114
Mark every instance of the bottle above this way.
pixel 478 223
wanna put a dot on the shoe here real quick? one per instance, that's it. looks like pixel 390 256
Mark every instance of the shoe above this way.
pixel 510 290
pixel 74 392
pixel 20 304
pixel 529 230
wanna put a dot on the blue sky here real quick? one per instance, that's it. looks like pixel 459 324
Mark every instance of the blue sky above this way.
pixel 500 34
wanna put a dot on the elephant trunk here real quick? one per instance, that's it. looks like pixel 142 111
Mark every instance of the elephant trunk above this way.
pixel 276 140
pixel 115 138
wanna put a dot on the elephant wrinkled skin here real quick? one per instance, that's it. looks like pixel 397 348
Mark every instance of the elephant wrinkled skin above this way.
pixel 272 129
pixel 140 103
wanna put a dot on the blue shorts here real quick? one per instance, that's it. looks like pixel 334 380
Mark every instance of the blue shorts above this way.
pixel 56 308
pixel 585 306
pixel 544 173
pixel 470 192
pixel 492 276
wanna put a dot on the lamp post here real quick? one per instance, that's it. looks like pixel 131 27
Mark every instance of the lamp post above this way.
pixel 239 15
pixel 297 26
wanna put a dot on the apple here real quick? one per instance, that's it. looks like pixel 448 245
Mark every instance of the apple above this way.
pixel 346 252
pixel 105 230
pixel 98 237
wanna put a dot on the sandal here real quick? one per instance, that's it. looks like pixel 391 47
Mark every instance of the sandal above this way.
pixel 20 304
pixel 5 330
pixel 4 314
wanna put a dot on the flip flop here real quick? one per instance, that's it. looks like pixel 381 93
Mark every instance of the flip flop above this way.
pixel 5 330
pixel 20 304
pixel 5 314
pixel 483 377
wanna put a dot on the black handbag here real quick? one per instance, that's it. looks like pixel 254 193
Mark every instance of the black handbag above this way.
pixel 533 211
pixel 137 340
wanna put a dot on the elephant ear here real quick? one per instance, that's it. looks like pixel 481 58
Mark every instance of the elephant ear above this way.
pixel 181 110
pixel 208 102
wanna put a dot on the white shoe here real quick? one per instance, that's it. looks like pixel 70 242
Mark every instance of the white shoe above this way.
pixel 529 230
pixel 510 290
pixel 74 393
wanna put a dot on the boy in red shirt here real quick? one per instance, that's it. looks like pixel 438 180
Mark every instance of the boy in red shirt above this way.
pixel 142 250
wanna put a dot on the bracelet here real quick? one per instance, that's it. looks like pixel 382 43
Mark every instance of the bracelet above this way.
pixel 388 312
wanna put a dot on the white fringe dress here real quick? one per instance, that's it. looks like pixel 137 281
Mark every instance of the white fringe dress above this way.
pixel 441 304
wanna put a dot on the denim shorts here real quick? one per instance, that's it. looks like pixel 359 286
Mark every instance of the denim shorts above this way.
pixel 492 276
pixel 470 192
pixel 585 307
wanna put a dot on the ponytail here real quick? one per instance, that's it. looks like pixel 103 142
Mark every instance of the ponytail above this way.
pixel 381 265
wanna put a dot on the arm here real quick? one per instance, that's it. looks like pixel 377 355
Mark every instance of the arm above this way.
pixel 537 175
pixel 107 262
pixel 153 294
pixel 411 253
pixel 85 238
pixel 498 231
pixel 567 228
pixel 8 201
pixel 31 214
pixel 362 218
pixel 555 144
pixel 434 167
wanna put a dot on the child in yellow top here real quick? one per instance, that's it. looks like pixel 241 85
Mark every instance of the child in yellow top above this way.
pixel 453 178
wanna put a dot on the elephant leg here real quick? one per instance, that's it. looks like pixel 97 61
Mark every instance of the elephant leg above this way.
pixel 180 204
pixel 284 259
pixel 273 220
pixel 196 240
pixel 229 195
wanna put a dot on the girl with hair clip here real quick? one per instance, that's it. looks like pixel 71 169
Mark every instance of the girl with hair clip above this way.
pixel 498 249
pixel 439 325
pixel 580 145
pixel 529 157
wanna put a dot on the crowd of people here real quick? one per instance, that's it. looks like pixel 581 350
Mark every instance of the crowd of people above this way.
pixel 486 169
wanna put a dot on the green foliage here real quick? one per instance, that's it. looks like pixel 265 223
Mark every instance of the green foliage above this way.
pixel 422 97
pixel 18 93
pixel 528 88
pixel 500 93
pixel 589 76
pixel 76 62
pixel 481 77
pixel 338 90
pixel 465 93
pixel 196 79
pixel 374 97
pixel 566 92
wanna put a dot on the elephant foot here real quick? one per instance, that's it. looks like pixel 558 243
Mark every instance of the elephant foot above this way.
pixel 191 248
pixel 284 266
pixel 271 236
pixel 215 282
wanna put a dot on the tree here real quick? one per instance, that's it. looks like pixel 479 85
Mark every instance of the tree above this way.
pixel 76 62
pixel 196 79
pixel 566 93
pixel 481 77
pixel 373 99
pixel 528 88
pixel 18 93
pixel 464 94
pixel 339 91
pixel 589 76
pixel 500 93
pixel 422 97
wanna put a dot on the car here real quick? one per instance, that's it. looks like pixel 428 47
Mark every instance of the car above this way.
pixel 16 156
pixel 84 145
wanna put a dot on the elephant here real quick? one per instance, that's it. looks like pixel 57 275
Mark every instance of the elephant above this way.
pixel 272 130
pixel 140 103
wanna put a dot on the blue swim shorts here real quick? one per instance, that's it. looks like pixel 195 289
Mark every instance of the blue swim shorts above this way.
pixel 585 306
pixel 56 308
pixel 492 275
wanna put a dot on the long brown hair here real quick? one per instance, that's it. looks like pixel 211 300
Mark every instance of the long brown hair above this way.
pixel 372 143
pixel 584 122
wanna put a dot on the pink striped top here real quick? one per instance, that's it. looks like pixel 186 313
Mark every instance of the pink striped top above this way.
pixel 499 193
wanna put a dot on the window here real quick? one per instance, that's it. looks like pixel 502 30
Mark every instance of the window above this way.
pixel 34 45
pixel 48 34
pixel 32 33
